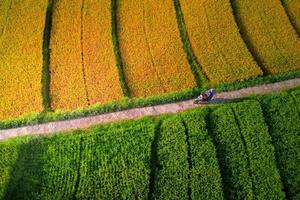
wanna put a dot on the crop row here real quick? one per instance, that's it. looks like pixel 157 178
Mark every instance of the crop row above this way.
pixel 267 29
pixel 172 165
pixel 205 178
pixel 262 165
pixel 281 115
pixel 222 60
pixel 115 163
pixel 101 74
pixel 20 57
pixel 83 68
pixel 150 45
pixel 67 86
pixel 232 154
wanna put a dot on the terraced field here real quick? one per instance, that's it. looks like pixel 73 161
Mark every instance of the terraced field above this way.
pixel 61 56
pixel 244 150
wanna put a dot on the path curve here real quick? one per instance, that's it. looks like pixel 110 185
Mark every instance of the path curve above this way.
pixel 85 122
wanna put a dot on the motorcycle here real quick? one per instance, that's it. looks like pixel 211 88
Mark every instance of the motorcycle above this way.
pixel 205 97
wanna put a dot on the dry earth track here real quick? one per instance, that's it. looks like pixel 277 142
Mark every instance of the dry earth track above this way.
pixel 85 122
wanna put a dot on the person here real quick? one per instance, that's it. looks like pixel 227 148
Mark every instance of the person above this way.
pixel 206 96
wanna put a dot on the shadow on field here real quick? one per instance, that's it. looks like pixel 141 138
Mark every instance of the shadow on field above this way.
pixel 220 100
pixel 26 174
pixel 223 100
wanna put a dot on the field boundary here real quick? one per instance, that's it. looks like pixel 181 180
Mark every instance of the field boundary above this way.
pixel 116 46
pixel 82 54
pixel 46 78
pixel 85 122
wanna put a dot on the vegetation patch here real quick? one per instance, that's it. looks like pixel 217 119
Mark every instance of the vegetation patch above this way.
pixel 21 57
pixel 278 45
pixel 282 116
pixel 225 151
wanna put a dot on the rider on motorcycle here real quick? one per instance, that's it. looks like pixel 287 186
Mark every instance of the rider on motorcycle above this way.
pixel 205 96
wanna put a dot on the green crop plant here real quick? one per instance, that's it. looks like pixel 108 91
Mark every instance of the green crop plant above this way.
pixel 283 121
pixel 264 173
pixel 115 162
pixel 45 168
pixel 232 154
pixel 205 177
pixel 172 155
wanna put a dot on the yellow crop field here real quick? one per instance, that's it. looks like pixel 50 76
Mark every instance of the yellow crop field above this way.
pixel 102 78
pixel 67 78
pixel 151 48
pixel 64 55
pixel 293 9
pixel 216 41
pixel 270 33
pixel 21 58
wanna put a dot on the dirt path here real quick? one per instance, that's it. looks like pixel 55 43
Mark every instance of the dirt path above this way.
pixel 53 127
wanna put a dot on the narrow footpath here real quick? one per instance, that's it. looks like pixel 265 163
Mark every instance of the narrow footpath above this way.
pixel 59 126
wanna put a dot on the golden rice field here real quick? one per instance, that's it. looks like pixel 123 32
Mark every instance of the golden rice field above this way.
pixel 154 61
pixel 66 64
pixel 20 57
pixel 271 34
pixel 216 41
pixel 103 51
pixel 101 73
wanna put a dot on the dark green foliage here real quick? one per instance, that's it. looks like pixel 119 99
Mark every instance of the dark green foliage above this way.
pixel 264 173
pixel 115 40
pixel 205 177
pixel 296 96
pixel 172 173
pixel 46 58
pixel 284 127
pixel 8 155
pixel 115 162
pixel 232 154
pixel 45 168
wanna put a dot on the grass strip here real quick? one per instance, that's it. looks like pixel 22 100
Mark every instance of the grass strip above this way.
pixel 115 40
pixel 46 78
